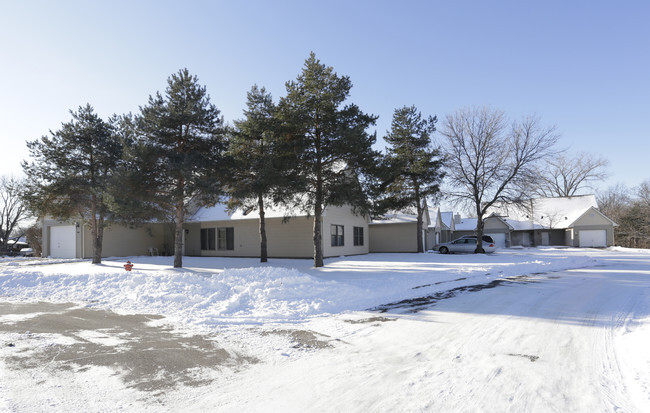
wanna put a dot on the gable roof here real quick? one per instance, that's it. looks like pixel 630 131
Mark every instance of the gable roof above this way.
pixel 466 224
pixel 445 220
pixel 220 212
pixel 596 211
pixel 497 217
pixel 402 218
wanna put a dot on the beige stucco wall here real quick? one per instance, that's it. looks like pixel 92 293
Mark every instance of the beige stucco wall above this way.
pixel 192 239
pixel 118 241
pixel 592 218
pixel 495 225
pixel 293 238
pixel 284 239
pixel 393 237
pixel 344 216
pixel 121 240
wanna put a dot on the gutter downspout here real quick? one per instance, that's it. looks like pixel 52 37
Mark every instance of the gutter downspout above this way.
pixel 83 244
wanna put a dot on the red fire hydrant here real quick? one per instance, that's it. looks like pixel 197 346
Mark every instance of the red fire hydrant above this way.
pixel 128 266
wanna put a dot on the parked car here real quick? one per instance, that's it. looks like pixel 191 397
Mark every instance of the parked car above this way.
pixel 27 252
pixel 466 244
pixel 486 238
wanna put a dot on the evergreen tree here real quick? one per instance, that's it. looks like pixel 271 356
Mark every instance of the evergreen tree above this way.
pixel 70 172
pixel 131 194
pixel 179 152
pixel 256 172
pixel 329 142
pixel 413 165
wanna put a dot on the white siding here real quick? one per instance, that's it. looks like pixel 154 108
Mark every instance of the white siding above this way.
pixel 345 217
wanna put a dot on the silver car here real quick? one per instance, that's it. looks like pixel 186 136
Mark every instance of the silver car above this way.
pixel 466 244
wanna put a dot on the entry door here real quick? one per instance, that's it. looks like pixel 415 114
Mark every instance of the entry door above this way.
pixel 63 241
pixel 545 240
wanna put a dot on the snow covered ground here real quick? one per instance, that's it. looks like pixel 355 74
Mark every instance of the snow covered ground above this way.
pixel 547 330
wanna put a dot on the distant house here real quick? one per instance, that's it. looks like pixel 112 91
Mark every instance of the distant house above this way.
pixel 443 228
pixel 571 221
pixel 565 221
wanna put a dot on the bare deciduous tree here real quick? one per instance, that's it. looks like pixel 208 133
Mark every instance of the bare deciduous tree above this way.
pixel 631 210
pixel 643 193
pixel 489 160
pixel 566 175
pixel 34 235
pixel 12 207
pixel 614 201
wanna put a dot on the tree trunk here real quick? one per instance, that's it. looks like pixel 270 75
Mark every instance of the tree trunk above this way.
pixel 420 212
pixel 318 216
pixel 318 244
pixel 419 229
pixel 318 210
pixel 97 245
pixel 263 250
pixel 479 235
pixel 178 234
pixel 95 232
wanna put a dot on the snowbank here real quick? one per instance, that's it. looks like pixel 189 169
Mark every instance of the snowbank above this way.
pixel 207 292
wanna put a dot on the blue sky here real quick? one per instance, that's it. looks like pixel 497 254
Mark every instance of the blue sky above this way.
pixel 583 66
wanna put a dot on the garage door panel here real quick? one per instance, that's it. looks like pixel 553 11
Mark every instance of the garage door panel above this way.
pixel 63 241
pixel 593 238
pixel 499 239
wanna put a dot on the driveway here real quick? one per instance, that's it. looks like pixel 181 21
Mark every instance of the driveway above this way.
pixel 146 356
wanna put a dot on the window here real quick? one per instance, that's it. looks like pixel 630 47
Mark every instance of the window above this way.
pixel 357 235
pixel 337 235
pixel 226 238
pixel 207 238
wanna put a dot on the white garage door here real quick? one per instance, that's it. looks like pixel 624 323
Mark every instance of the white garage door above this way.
pixel 499 240
pixel 63 241
pixel 593 238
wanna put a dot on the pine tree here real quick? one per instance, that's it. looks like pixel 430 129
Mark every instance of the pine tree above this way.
pixel 71 170
pixel 413 165
pixel 256 172
pixel 179 152
pixel 329 141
